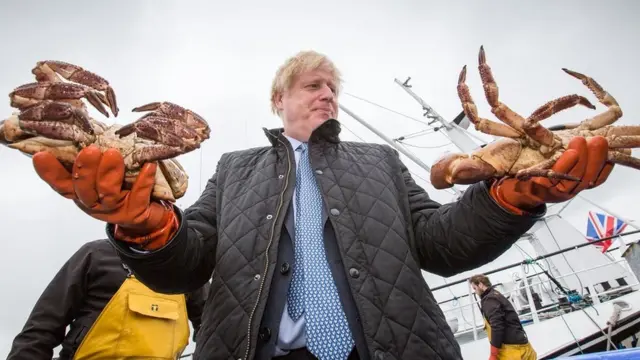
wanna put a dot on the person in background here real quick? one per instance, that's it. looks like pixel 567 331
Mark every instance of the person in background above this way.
pixel 507 337
pixel 314 246
pixel 110 313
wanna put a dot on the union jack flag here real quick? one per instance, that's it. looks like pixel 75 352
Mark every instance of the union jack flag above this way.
pixel 601 226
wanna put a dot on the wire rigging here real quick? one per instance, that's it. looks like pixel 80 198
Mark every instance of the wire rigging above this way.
pixel 429 130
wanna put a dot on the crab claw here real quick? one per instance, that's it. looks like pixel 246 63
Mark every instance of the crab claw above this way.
pixel 31 94
pixel 173 111
pixel 168 133
pixel 47 70
pixel 57 120
pixel 459 169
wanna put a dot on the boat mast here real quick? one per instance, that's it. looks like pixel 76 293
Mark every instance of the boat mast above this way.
pixel 458 136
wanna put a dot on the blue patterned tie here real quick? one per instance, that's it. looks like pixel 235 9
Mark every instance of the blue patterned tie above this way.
pixel 312 290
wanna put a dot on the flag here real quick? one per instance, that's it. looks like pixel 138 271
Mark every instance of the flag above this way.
pixel 600 226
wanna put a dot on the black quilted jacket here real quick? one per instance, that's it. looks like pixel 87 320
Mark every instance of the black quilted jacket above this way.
pixel 385 225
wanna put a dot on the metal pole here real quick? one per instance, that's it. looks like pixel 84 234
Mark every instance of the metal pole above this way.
pixel 558 252
pixel 431 113
pixel 473 312
pixel 394 144
pixel 459 137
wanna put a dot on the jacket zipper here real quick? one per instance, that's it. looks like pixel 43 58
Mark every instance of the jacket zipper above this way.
pixel 266 265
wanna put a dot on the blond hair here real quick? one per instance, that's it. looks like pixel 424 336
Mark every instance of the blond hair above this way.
pixel 300 63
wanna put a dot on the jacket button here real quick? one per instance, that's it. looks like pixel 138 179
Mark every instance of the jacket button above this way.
pixel 265 334
pixel 319 172
pixel 284 268
pixel 354 272
pixel 335 212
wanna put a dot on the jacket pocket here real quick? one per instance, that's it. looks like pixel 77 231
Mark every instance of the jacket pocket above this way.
pixel 150 327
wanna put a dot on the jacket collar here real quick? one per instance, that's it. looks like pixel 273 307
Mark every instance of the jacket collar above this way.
pixel 329 131
pixel 486 292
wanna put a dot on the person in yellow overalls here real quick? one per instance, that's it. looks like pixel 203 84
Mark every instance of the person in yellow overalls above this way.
pixel 111 314
pixel 506 335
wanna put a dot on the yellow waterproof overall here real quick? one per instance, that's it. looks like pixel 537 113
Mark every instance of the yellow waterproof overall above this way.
pixel 513 351
pixel 138 323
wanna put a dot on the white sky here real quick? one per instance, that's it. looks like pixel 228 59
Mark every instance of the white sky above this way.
pixel 219 61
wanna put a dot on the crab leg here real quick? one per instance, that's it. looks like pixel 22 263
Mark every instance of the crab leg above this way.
pixel 481 124
pixel 500 110
pixel 621 158
pixel 608 131
pixel 47 70
pixel 543 169
pixel 562 103
pixel 613 113
pixel 624 141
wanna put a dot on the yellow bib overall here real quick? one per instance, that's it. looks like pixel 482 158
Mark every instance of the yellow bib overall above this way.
pixel 137 323
pixel 513 351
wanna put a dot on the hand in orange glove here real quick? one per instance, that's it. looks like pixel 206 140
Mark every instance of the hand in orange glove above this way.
pixel 583 159
pixel 494 353
pixel 96 188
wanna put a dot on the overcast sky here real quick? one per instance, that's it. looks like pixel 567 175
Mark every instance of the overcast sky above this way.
pixel 219 59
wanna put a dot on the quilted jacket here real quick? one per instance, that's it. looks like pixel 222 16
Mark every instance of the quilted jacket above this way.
pixel 385 225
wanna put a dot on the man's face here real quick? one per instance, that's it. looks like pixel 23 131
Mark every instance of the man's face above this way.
pixel 308 103
pixel 478 289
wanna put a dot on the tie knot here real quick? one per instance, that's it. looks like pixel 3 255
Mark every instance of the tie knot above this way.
pixel 303 147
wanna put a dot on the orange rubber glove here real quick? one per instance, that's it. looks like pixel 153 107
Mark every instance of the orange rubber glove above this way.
pixel 494 353
pixel 583 159
pixel 96 188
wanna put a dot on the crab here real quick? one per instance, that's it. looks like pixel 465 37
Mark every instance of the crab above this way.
pixel 52 117
pixel 525 148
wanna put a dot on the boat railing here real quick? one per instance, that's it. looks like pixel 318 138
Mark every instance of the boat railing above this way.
pixel 565 301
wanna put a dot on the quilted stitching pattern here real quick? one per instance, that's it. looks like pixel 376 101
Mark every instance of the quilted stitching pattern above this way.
pixel 398 312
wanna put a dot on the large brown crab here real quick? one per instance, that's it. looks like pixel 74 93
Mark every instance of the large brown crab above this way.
pixel 527 148
pixel 54 118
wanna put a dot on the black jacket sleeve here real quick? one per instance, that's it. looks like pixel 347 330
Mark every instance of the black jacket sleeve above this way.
pixel 56 308
pixel 496 317
pixel 462 235
pixel 195 306
pixel 187 261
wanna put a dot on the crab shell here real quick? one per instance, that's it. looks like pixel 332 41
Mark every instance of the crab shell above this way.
pixel 171 180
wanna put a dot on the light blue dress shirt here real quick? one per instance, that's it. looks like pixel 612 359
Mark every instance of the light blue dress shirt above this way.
pixel 292 333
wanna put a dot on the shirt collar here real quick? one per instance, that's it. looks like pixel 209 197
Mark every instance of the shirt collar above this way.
pixel 294 142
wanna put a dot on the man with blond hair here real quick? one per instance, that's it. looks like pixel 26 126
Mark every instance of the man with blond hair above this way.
pixel 314 246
